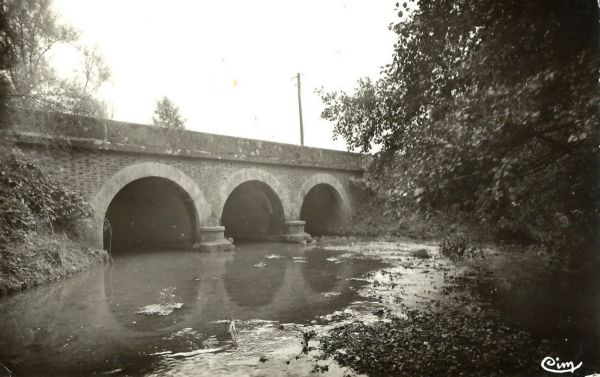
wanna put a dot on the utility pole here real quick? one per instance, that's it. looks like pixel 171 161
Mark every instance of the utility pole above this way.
pixel 300 110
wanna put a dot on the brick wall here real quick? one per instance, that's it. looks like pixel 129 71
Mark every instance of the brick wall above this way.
pixel 86 171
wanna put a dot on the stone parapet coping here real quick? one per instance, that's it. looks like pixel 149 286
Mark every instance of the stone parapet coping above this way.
pixel 107 135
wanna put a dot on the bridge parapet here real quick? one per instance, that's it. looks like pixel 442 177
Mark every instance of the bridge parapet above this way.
pixel 101 134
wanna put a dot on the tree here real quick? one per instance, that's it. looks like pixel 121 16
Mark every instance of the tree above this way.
pixel 5 63
pixel 35 32
pixel 166 114
pixel 488 109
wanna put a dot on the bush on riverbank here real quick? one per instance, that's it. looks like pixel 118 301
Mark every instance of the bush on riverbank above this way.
pixel 30 201
pixel 38 217
pixel 375 217
pixel 436 344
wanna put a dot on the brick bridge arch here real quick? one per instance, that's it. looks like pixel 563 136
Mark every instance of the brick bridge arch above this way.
pixel 114 184
pixel 327 179
pixel 251 174
pixel 99 157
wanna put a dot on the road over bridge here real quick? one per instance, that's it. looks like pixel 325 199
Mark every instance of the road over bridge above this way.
pixel 156 186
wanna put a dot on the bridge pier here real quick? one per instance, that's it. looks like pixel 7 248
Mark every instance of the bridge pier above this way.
pixel 212 238
pixel 294 232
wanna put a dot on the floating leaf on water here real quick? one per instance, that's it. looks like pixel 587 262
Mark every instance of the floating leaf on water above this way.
pixel 160 309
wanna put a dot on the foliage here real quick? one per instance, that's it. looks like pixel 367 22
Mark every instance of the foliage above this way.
pixel 34 32
pixel 29 200
pixel 166 114
pixel 488 109
pixel 5 63
pixel 457 247
pixel 377 215
pixel 448 343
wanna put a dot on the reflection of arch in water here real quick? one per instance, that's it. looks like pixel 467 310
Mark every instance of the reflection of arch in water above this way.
pixel 323 204
pixel 100 203
pixel 249 285
pixel 320 274
pixel 272 293
pixel 131 285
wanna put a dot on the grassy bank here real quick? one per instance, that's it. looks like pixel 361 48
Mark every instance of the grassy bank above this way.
pixel 43 258
pixel 38 225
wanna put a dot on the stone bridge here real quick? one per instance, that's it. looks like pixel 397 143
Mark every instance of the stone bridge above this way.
pixel 159 187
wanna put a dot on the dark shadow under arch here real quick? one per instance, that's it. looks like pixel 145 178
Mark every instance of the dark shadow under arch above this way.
pixel 252 211
pixel 150 212
pixel 322 210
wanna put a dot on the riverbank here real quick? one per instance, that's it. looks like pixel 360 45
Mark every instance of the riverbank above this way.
pixel 38 218
pixel 43 258
pixel 498 315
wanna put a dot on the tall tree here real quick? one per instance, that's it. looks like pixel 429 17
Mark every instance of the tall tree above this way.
pixel 488 108
pixel 6 60
pixel 166 114
pixel 35 32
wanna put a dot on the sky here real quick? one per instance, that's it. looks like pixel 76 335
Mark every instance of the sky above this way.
pixel 230 66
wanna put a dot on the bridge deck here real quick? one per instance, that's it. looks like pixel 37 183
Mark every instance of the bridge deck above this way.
pixel 101 134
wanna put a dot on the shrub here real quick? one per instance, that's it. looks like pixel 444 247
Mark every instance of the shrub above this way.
pixel 457 247
pixel 29 200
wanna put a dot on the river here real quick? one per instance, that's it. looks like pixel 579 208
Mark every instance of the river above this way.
pixel 152 312
pixel 242 313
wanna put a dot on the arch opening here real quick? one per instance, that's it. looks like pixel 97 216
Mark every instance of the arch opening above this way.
pixel 322 210
pixel 150 213
pixel 253 212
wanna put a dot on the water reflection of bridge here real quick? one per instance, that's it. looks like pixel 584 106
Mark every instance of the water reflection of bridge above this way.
pixel 91 318
pixel 225 286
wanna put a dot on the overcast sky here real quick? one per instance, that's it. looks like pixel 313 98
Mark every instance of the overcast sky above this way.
pixel 230 65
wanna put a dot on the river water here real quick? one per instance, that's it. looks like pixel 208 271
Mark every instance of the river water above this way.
pixel 170 312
